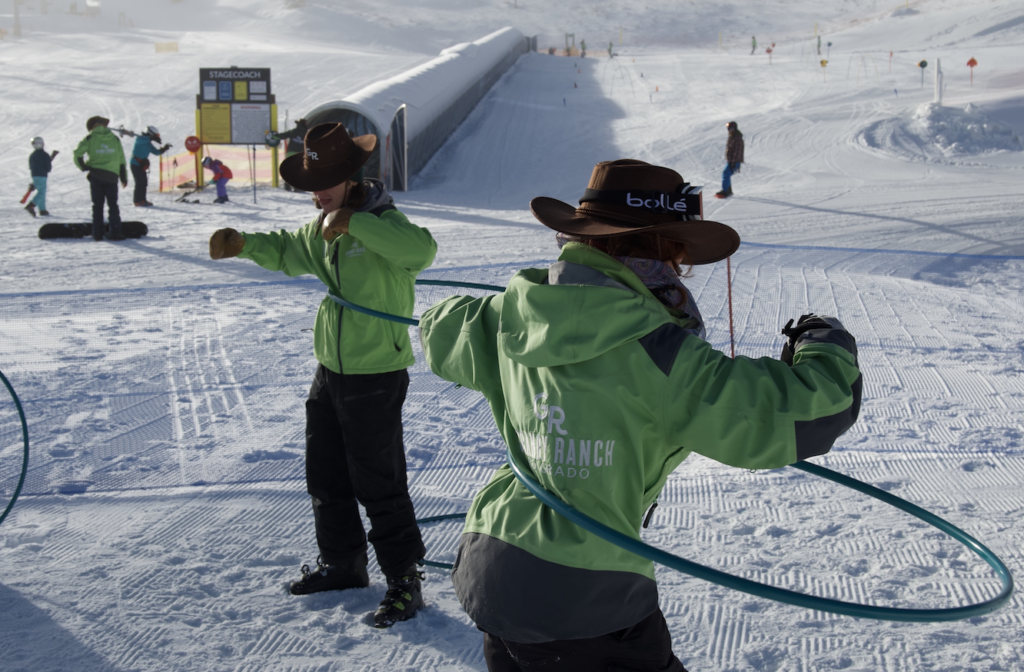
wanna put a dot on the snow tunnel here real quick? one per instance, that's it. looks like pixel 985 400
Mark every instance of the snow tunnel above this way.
pixel 413 113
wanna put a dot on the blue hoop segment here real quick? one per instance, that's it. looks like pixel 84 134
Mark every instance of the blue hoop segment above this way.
pixel 734 582
pixel 24 434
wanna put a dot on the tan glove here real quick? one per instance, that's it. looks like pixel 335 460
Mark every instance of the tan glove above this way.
pixel 226 243
pixel 336 223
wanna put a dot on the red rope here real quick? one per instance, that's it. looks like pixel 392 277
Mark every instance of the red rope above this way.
pixel 728 282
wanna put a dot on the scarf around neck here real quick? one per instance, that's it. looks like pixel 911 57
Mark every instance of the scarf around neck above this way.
pixel 661 279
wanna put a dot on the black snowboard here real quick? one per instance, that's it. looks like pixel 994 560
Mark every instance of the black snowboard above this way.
pixel 77 230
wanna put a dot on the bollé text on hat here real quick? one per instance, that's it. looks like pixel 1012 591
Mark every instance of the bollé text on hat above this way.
pixel 661 204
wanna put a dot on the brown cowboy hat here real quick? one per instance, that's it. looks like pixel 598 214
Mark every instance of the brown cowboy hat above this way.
pixel 331 156
pixel 93 122
pixel 629 196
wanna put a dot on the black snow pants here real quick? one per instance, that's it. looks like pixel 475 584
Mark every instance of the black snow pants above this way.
pixel 141 182
pixel 355 453
pixel 101 192
pixel 644 647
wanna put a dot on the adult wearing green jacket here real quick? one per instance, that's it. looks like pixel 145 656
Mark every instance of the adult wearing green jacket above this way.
pixel 106 166
pixel 601 384
pixel 367 252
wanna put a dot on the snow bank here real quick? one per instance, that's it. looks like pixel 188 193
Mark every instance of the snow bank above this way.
pixel 963 132
pixel 941 135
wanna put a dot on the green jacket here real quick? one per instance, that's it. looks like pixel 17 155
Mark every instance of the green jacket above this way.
pixel 374 265
pixel 106 155
pixel 601 392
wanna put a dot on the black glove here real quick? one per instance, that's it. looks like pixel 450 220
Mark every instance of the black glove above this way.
pixel 81 163
pixel 803 325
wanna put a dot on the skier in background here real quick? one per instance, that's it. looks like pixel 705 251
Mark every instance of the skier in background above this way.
pixel 733 159
pixel 583 48
pixel 39 163
pixel 106 167
pixel 296 143
pixel 613 313
pixel 610 50
pixel 368 252
pixel 141 152
pixel 753 44
pixel 221 175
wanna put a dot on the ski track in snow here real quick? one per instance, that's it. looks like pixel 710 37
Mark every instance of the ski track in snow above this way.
pixel 164 511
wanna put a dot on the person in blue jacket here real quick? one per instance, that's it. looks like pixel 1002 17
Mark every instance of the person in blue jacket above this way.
pixel 144 147
pixel 40 163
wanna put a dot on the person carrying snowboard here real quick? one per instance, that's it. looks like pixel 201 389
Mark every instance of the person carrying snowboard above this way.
pixel 221 175
pixel 601 382
pixel 143 149
pixel 39 163
pixel 367 252
pixel 733 159
pixel 106 167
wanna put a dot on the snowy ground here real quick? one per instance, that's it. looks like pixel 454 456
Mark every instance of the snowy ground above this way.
pixel 164 511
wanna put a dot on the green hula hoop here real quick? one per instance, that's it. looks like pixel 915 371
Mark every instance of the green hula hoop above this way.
pixel 734 582
pixel 24 434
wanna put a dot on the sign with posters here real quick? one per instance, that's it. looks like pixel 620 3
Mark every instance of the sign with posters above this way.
pixel 235 106
pixel 235 85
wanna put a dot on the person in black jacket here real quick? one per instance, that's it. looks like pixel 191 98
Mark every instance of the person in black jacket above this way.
pixel 296 143
pixel 40 163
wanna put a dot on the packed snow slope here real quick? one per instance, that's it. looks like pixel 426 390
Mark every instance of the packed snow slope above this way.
pixel 164 510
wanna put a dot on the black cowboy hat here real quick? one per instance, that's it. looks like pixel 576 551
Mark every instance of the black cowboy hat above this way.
pixel 331 156
pixel 629 196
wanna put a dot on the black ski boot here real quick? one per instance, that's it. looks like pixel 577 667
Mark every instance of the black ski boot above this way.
pixel 403 599
pixel 44 213
pixel 725 193
pixel 331 577
pixel 31 207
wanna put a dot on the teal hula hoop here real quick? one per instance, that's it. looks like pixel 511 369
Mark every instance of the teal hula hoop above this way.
pixel 734 582
pixel 24 434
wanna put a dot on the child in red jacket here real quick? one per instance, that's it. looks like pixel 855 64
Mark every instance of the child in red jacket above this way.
pixel 221 175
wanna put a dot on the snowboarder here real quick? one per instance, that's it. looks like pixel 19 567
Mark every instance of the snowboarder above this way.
pixel 753 44
pixel 367 251
pixel 613 314
pixel 144 147
pixel 296 139
pixel 733 159
pixel 221 175
pixel 40 164
pixel 106 167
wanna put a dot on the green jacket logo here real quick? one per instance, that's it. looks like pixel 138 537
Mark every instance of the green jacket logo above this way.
pixel 571 458
pixel 554 414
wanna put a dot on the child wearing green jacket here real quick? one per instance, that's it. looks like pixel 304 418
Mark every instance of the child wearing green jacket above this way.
pixel 601 383
pixel 365 251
